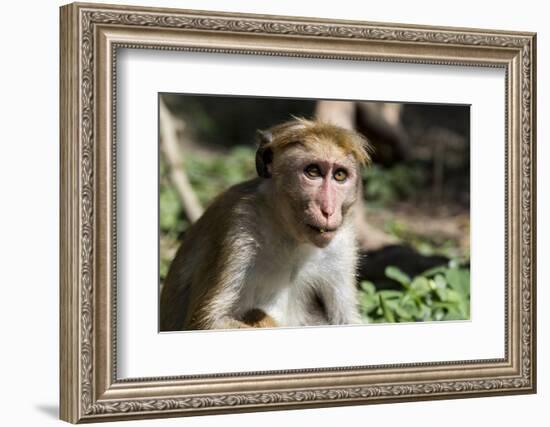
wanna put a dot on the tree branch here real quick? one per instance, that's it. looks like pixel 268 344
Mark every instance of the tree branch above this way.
pixel 174 160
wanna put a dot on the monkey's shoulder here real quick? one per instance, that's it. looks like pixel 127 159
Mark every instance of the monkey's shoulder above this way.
pixel 237 198
pixel 234 212
pixel 238 204
pixel 224 231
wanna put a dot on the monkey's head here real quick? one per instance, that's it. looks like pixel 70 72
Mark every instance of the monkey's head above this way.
pixel 315 172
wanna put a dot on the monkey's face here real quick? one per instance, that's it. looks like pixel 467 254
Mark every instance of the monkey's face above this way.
pixel 317 185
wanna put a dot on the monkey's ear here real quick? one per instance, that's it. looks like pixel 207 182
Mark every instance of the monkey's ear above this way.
pixel 264 154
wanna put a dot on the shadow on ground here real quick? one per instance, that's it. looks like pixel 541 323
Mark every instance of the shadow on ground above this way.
pixel 49 409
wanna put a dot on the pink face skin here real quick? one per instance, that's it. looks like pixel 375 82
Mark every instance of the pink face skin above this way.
pixel 320 182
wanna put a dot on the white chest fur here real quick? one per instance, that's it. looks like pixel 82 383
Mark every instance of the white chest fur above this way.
pixel 283 280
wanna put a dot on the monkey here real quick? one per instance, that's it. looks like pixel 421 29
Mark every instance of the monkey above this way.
pixel 278 250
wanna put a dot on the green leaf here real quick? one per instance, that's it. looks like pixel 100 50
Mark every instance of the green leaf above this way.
pixel 386 310
pixel 406 310
pixel 434 270
pixel 453 315
pixel 453 296
pixel 442 294
pixel 459 280
pixel 368 287
pixel 397 275
pixel 440 282
pixel 368 302
pixel 454 264
pixel 439 314
pixel 389 294
pixel 424 313
pixel 421 286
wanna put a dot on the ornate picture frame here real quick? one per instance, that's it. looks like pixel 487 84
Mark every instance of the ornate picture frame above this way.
pixel 91 34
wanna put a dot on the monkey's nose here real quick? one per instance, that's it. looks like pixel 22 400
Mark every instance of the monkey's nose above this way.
pixel 327 213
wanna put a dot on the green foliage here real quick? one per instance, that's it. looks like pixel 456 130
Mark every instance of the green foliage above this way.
pixel 441 293
pixel 388 185
pixel 433 244
pixel 211 175
pixel 170 214
pixel 171 224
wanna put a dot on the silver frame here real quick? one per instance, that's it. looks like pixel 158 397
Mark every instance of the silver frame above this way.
pixel 90 37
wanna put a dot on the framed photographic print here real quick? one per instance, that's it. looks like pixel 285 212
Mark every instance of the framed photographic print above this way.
pixel 265 212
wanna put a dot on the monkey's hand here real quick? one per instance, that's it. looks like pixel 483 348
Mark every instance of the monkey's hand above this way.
pixel 227 322
pixel 257 318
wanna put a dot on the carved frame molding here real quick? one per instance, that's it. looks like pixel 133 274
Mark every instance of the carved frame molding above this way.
pixel 90 37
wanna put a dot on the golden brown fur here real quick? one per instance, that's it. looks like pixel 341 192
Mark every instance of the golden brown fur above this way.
pixel 310 133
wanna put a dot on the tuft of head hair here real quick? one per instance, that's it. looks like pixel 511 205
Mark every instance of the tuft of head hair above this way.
pixel 304 131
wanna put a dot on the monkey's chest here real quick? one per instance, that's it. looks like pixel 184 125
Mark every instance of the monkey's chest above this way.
pixel 287 292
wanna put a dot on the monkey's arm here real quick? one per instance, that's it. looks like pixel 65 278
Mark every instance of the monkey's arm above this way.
pixel 219 286
pixel 201 294
pixel 340 299
pixel 204 286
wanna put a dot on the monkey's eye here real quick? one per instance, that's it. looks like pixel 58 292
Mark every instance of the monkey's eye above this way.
pixel 313 171
pixel 340 175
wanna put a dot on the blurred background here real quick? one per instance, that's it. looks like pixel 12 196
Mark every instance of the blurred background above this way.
pixel 413 225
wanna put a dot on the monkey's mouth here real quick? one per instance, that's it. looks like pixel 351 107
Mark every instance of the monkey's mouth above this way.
pixel 321 230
